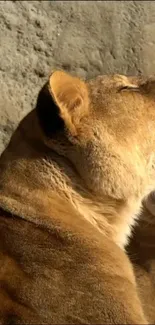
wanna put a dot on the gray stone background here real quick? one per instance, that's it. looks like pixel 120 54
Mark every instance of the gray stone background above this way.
pixel 84 37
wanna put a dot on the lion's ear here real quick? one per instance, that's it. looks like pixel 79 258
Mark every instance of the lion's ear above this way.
pixel 62 103
pixel 71 96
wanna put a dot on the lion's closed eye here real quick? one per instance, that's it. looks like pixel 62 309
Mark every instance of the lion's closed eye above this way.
pixel 128 88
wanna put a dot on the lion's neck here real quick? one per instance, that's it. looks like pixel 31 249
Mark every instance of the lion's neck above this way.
pixel 28 184
pixel 112 217
pixel 28 187
pixel 109 217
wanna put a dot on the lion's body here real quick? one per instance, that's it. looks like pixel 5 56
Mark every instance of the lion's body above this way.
pixel 71 183
pixel 55 275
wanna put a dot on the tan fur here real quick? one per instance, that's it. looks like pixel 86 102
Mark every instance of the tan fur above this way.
pixel 72 197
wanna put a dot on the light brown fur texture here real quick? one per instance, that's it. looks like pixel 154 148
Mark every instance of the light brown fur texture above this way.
pixel 71 184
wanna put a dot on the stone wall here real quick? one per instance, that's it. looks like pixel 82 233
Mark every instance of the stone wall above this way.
pixel 84 37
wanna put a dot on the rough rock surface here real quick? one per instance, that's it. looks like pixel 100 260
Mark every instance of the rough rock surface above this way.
pixel 86 38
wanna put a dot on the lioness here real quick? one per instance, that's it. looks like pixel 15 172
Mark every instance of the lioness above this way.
pixel 71 183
